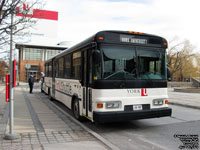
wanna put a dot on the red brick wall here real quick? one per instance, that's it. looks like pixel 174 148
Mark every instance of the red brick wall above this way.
pixel 22 68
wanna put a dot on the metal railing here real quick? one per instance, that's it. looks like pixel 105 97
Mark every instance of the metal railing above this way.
pixel 196 81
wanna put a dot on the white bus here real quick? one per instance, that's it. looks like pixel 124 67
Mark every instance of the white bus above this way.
pixel 111 76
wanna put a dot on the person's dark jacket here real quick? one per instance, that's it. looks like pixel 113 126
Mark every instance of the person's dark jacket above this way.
pixel 31 80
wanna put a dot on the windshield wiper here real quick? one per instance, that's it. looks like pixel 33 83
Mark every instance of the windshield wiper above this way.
pixel 121 71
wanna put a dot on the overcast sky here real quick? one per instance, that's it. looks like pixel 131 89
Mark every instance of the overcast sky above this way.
pixel 79 19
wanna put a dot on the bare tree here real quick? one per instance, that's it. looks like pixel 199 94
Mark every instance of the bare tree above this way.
pixel 2 69
pixel 180 59
pixel 197 61
pixel 22 7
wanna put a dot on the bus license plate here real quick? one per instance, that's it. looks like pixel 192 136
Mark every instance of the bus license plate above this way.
pixel 137 107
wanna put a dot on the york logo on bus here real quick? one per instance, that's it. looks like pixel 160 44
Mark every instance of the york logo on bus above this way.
pixel 144 92
pixel 133 91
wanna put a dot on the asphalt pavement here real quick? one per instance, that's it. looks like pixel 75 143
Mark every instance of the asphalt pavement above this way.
pixel 190 100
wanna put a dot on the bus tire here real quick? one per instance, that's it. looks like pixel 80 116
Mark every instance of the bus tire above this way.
pixel 75 109
pixel 49 94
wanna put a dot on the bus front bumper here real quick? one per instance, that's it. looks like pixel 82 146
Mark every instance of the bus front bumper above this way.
pixel 117 116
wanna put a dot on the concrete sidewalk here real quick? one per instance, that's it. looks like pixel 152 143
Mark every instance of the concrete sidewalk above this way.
pixel 41 126
pixel 190 100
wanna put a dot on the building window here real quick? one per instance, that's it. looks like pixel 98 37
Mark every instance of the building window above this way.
pixel 32 54
pixel 33 67
pixel 52 53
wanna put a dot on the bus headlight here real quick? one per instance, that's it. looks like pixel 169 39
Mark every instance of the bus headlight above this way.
pixel 158 102
pixel 114 104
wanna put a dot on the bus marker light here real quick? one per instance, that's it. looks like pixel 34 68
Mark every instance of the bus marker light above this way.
pixel 140 32
pixel 164 43
pixel 135 32
pixel 166 101
pixel 93 39
pixel 100 38
pixel 130 31
pixel 95 77
pixel 99 105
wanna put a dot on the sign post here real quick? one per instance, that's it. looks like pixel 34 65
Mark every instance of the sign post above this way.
pixel 11 135
pixel 7 88
pixel 27 66
pixel 14 73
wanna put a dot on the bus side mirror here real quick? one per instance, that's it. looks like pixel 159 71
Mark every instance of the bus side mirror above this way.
pixel 168 75
pixel 96 55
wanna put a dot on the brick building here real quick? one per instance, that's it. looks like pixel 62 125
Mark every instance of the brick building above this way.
pixel 32 58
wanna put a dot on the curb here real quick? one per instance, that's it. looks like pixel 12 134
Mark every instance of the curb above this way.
pixel 184 105
pixel 99 137
pixel 186 90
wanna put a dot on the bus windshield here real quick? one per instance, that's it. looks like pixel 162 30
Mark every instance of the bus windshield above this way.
pixel 130 63
pixel 151 63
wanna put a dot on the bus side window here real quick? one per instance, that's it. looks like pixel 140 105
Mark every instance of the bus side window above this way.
pixel 56 69
pixel 76 66
pixel 67 66
pixel 50 70
pixel 46 70
pixel 61 67
pixel 90 66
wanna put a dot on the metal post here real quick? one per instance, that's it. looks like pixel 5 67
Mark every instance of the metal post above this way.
pixel 11 135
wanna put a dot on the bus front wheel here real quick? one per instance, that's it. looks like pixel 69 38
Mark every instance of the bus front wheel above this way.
pixel 76 109
pixel 49 94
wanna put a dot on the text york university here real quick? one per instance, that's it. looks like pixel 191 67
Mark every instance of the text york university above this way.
pixel 132 91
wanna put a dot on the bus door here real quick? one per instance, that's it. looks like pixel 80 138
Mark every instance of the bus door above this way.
pixel 87 73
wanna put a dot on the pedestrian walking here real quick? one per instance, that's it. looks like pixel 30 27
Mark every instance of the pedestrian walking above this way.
pixel 31 83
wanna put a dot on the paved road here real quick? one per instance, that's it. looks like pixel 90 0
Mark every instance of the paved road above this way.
pixel 150 133
pixel 191 100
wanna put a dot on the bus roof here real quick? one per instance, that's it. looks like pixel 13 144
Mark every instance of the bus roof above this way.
pixel 96 38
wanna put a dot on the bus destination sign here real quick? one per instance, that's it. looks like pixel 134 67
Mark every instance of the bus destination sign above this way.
pixel 132 39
